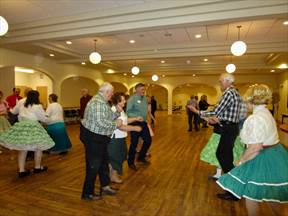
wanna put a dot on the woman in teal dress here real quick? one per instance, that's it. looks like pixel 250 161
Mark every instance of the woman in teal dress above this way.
pixel 56 127
pixel 262 171
pixel 28 134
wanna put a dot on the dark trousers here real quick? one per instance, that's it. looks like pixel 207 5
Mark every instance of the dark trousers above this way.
pixel 153 114
pixel 224 153
pixel 96 156
pixel 134 141
pixel 195 117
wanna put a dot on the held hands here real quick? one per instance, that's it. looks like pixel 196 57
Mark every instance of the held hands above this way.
pixel 192 108
pixel 213 120
pixel 139 118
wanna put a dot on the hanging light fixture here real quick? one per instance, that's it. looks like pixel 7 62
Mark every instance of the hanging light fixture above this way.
pixel 230 68
pixel 135 70
pixel 155 78
pixel 3 26
pixel 238 48
pixel 95 57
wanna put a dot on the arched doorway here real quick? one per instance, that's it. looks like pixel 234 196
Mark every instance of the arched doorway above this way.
pixel 182 93
pixel 71 90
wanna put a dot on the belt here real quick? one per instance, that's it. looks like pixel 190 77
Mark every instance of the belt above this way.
pixel 269 146
pixel 227 123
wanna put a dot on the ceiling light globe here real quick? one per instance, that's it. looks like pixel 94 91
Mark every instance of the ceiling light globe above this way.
pixel 95 58
pixel 3 26
pixel 135 70
pixel 238 48
pixel 230 68
pixel 155 78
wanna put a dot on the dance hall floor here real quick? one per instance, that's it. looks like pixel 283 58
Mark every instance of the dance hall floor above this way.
pixel 175 184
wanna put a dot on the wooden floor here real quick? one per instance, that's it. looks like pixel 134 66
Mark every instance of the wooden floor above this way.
pixel 175 184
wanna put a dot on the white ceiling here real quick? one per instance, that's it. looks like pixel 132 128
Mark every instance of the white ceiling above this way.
pixel 163 30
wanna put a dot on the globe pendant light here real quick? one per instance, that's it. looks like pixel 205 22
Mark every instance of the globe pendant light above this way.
pixel 155 78
pixel 238 48
pixel 3 26
pixel 95 57
pixel 135 70
pixel 230 68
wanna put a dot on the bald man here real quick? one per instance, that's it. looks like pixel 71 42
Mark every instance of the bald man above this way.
pixel 227 112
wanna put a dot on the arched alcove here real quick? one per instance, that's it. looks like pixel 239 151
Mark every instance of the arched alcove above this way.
pixel 182 93
pixel 71 90
pixel 160 94
pixel 119 87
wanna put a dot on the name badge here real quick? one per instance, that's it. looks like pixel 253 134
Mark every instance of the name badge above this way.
pixel 138 101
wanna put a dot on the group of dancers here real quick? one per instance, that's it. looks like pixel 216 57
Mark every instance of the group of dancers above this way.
pixel 254 163
pixel 28 133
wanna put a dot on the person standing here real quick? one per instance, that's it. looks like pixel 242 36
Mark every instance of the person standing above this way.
pixel 96 129
pixel 86 97
pixel 191 115
pixel 56 127
pixel 227 111
pixel 117 148
pixel 203 105
pixel 153 109
pixel 262 171
pixel 12 101
pixel 28 134
pixel 4 123
pixel 137 105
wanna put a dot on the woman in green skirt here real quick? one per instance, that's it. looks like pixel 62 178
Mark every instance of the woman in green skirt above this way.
pixel 28 134
pixel 117 149
pixel 262 171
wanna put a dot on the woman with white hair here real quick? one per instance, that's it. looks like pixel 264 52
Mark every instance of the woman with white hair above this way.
pixel 262 171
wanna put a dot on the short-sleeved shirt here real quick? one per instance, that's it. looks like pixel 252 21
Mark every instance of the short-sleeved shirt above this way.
pixel 119 133
pixel 137 106
pixel 260 127
pixel 55 113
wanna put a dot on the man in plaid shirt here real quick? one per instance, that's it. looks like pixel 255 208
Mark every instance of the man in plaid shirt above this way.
pixel 227 111
pixel 97 126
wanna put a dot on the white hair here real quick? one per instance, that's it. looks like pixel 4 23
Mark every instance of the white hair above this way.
pixel 228 77
pixel 105 87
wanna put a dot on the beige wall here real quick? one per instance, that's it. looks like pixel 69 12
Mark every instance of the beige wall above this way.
pixel 71 90
pixel 283 93
pixel 160 94
pixel 7 83
pixel 34 80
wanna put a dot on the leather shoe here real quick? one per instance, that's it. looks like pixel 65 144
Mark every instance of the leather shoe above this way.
pixel 227 196
pixel 91 197
pixel 133 167
pixel 212 178
pixel 107 190
pixel 24 174
pixel 41 169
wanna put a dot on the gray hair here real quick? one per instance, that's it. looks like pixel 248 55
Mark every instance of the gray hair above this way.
pixel 105 87
pixel 228 77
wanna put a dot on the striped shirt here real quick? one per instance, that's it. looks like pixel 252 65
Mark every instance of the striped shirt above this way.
pixel 228 108
pixel 98 116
